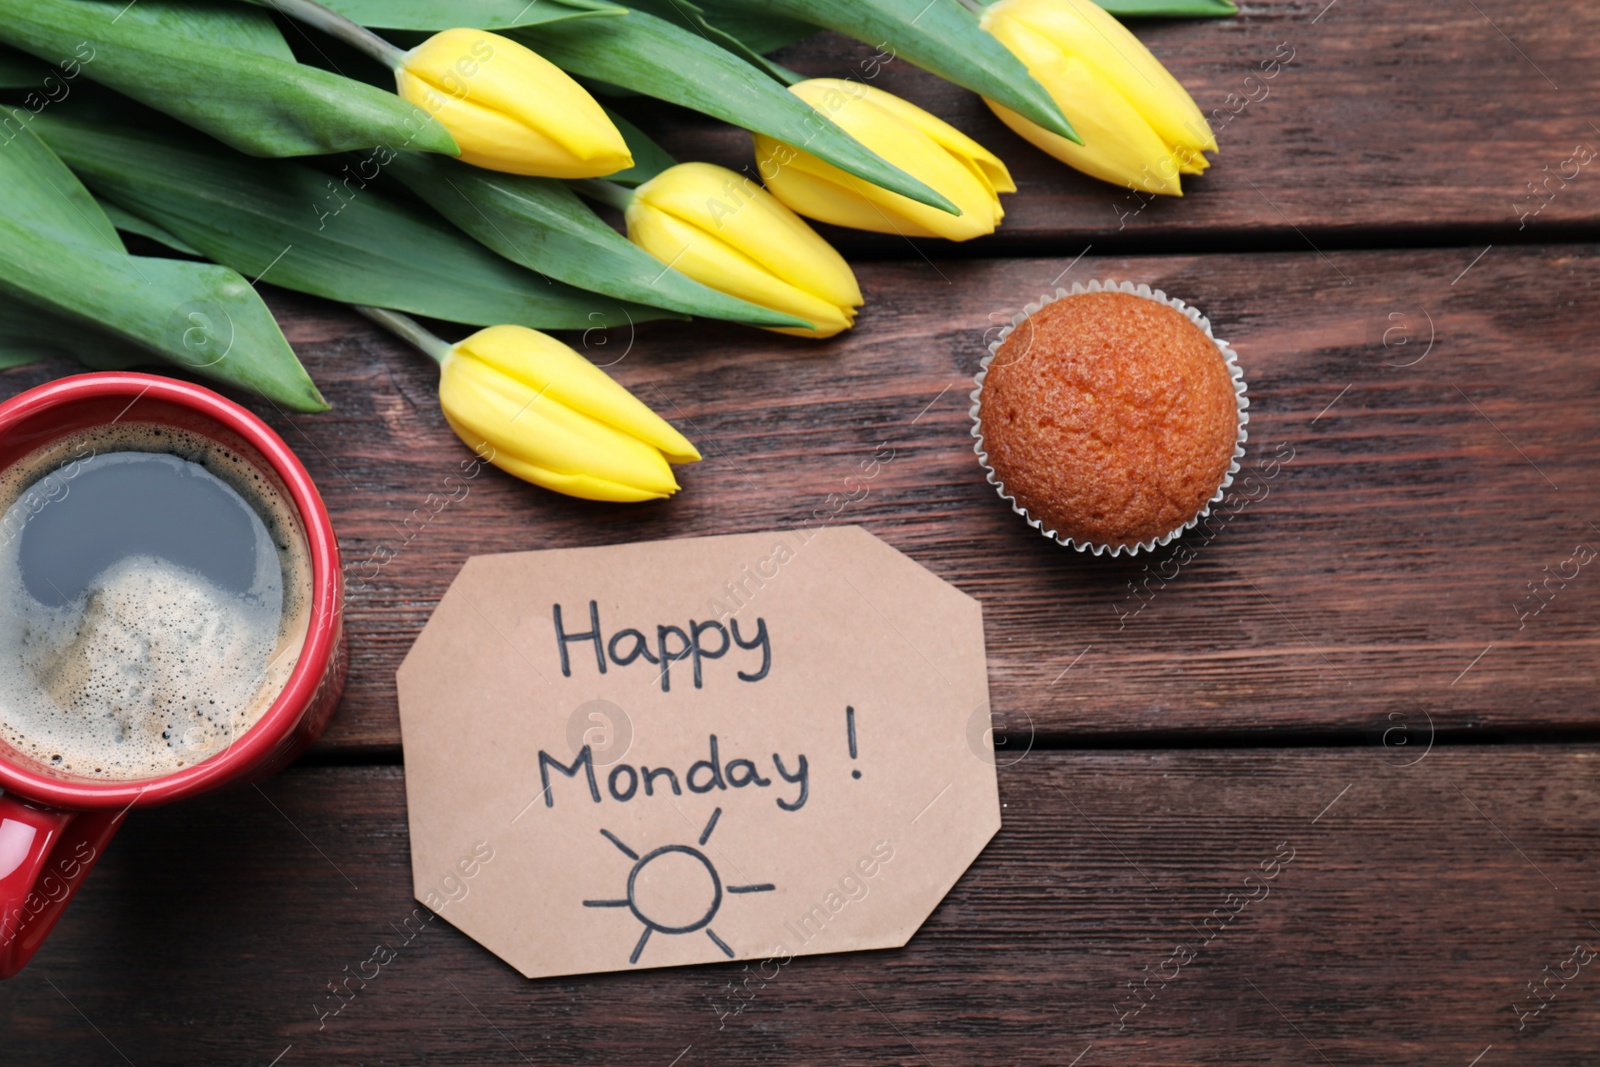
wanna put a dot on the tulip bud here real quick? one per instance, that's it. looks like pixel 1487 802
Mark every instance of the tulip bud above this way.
pixel 536 409
pixel 509 108
pixel 1140 127
pixel 725 231
pixel 938 154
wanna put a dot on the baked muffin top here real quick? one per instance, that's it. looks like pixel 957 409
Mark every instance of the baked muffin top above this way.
pixel 1109 417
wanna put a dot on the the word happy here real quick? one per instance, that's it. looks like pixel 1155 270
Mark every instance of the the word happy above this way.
pixel 699 642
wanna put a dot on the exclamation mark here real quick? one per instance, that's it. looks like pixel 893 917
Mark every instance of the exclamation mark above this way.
pixel 850 721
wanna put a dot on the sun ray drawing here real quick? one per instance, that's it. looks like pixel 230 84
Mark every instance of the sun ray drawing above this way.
pixel 698 890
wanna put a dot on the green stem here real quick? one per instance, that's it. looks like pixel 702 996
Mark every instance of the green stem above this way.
pixel 336 25
pixel 408 329
pixel 610 193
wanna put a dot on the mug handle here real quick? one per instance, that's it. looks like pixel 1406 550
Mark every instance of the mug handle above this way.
pixel 45 853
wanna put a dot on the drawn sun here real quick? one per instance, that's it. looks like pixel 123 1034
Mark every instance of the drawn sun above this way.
pixel 675 890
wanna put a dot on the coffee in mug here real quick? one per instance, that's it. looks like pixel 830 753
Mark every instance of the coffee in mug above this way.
pixel 154 599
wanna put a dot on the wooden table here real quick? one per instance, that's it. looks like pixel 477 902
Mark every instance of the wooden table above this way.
pixel 1348 680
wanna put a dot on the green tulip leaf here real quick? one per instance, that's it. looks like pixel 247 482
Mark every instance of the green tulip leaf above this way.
pixel 541 224
pixel 222 68
pixel 664 60
pixel 649 158
pixel 474 14
pixel 331 235
pixel 938 35
pixel 745 36
pixel 1169 8
pixel 46 198
pixel 225 25
pixel 29 333
pixel 128 222
pixel 760 33
pixel 70 288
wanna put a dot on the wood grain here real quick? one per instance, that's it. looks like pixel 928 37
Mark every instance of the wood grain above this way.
pixel 1413 906
pixel 1378 572
pixel 1393 119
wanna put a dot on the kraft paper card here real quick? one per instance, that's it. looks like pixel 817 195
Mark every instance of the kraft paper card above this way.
pixel 750 747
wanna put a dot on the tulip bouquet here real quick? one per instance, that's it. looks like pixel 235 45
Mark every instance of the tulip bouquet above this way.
pixel 454 174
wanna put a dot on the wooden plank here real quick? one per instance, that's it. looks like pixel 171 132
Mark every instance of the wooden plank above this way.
pixel 1391 117
pixel 1380 571
pixel 1398 914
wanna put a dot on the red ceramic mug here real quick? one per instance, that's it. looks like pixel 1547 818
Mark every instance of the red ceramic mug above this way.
pixel 53 827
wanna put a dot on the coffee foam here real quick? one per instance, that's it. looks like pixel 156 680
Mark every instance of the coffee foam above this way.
pixel 154 667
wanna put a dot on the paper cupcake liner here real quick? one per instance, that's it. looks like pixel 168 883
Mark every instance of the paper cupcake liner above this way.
pixel 1194 316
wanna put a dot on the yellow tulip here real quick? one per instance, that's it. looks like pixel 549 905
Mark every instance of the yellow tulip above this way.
pixel 536 409
pixel 725 231
pixel 943 157
pixel 509 108
pixel 1140 127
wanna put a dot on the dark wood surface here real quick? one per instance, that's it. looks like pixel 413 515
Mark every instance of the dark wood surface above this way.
pixel 1387 555
pixel 1418 904
pixel 1343 671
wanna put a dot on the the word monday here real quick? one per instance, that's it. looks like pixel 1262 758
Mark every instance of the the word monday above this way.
pixel 626 781
pixel 702 641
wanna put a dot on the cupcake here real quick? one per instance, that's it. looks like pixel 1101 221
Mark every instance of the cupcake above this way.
pixel 1109 417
